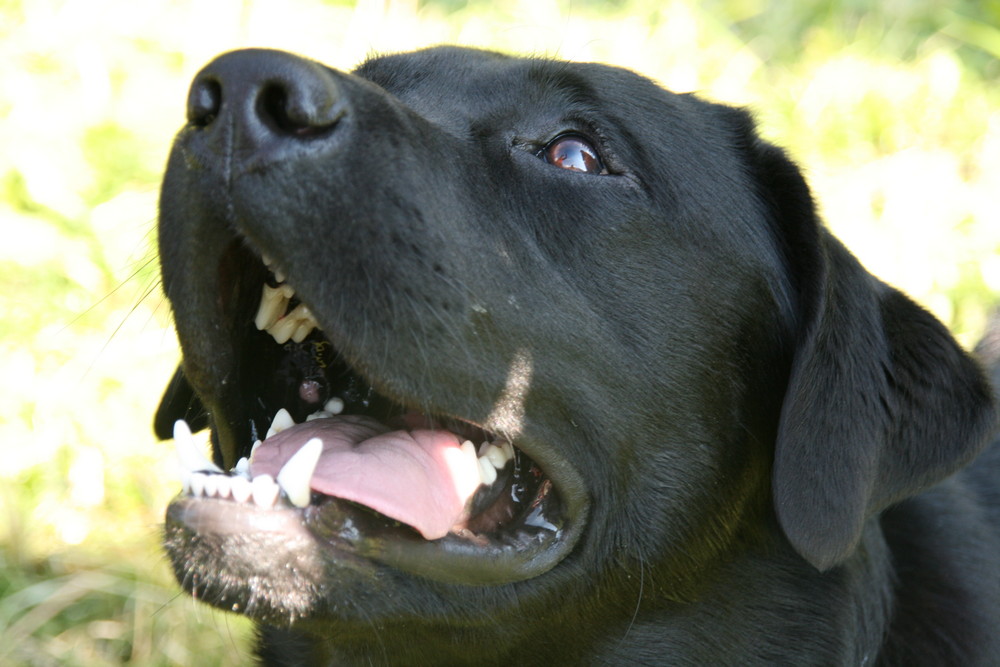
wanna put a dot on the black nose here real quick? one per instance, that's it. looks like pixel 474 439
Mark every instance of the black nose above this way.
pixel 261 103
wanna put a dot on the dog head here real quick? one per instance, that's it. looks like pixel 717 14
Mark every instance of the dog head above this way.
pixel 620 296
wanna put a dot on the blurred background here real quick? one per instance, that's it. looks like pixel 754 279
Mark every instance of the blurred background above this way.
pixel 892 109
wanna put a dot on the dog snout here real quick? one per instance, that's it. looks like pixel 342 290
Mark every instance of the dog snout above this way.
pixel 261 103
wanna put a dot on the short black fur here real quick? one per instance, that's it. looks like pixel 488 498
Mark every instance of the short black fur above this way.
pixel 759 454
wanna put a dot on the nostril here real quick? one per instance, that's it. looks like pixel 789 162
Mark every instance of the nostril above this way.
pixel 298 114
pixel 204 102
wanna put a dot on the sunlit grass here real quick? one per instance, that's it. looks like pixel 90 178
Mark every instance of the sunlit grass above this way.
pixel 895 119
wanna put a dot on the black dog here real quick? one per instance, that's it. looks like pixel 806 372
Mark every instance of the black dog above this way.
pixel 699 433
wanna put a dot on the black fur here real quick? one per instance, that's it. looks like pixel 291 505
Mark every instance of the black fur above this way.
pixel 760 452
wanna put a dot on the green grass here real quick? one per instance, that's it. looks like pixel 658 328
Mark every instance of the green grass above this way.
pixel 894 114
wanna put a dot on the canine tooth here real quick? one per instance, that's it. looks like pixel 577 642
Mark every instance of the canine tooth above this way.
pixel 487 472
pixel 334 406
pixel 264 491
pixel 188 455
pixel 272 306
pixel 241 489
pixel 295 475
pixel 198 483
pixel 282 420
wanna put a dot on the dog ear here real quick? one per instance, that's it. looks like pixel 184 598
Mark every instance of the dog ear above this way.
pixel 881 403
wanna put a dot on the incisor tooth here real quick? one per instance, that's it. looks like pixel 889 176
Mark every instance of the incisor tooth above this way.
pixel 188 455
pixel 241 489
pixel 295 475
pixel 198 483
pixel 211 485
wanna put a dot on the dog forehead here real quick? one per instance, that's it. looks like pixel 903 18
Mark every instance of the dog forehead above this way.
pixel 449 83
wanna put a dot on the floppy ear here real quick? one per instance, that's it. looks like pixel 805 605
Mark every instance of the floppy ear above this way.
pixel 881 403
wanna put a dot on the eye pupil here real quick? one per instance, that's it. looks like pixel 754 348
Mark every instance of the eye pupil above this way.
pixel 573 153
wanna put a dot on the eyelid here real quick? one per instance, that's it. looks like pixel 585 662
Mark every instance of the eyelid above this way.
pixel 593 160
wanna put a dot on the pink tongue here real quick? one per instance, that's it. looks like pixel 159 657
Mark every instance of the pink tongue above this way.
pixel 420 477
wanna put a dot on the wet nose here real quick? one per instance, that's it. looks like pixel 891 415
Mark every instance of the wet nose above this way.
pixel 264 104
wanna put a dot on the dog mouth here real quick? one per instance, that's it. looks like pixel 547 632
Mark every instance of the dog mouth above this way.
pixel 365 474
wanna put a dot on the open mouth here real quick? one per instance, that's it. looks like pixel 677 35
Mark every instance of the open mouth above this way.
pixel 378 477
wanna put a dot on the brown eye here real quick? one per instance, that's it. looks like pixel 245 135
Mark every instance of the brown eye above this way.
pixel 573 152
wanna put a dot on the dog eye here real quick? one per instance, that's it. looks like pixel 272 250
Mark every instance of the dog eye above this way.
pixel 573 152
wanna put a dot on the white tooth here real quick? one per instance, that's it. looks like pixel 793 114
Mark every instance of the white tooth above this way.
pixel 282 420
pixel 508 451
pixel 287 290
pixel 300 312
pixel 264 491
pixel 334 406
pixel 267 260
pixel 283 329
pixel 272 306
pixel 211 484
pixel 468 448
pixel 223 485
pixel 304 329
pixel 487 472
pixel 278 275
pixel 188 455
pixel 319 414
pixel 253 449
pixel 198 483
pixel 242 467
pixel 496 456
pixel 295 475
pixel 241 489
